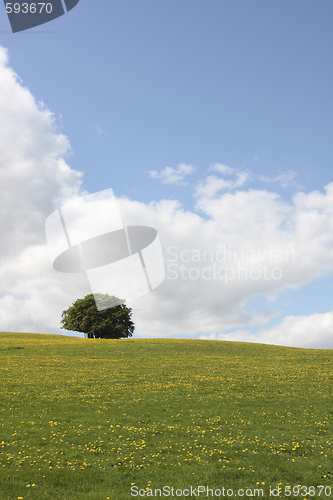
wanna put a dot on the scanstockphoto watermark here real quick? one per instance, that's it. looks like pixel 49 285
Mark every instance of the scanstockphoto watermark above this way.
pixel 197 491
pixel 26 14
pixel 270 491
pixel 90 236
pixel 227 264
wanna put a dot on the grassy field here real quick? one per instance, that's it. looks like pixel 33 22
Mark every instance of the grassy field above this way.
pixel 91 419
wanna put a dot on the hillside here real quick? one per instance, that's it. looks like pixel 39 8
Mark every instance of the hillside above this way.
pixel 89 419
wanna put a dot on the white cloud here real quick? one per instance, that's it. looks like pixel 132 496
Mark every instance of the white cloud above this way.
pixel 208 188
pixel 222 169
pixel 170 175
pixel 285 179
pixel 259 243
pixel 212 185
pixel 313 331
pixel 34 178
pixel 291 242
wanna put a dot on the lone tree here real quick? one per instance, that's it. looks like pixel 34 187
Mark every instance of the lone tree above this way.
pixel 109 323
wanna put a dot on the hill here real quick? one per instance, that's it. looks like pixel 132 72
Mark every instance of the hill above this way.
pixel 91 419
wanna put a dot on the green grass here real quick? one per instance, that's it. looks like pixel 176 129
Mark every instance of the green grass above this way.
pixel 88 419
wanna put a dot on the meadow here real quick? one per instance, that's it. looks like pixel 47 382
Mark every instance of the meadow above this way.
pixel 91 419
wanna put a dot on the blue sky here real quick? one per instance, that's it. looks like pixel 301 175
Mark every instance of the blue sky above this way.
pixel 141 86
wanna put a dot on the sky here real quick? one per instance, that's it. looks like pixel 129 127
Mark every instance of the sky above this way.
pixel 212 123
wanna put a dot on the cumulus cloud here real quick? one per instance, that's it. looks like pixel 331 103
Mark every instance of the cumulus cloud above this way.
pixel 222 169
pixel 170 175
pixel 313 331
pixel 240 244
pixel 252 243
pixel 34 178
pixel 208 188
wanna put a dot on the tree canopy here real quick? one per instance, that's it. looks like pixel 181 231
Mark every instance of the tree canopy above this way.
pixel 110 323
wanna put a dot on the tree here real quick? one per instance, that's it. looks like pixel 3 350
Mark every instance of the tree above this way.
pixel 110 323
